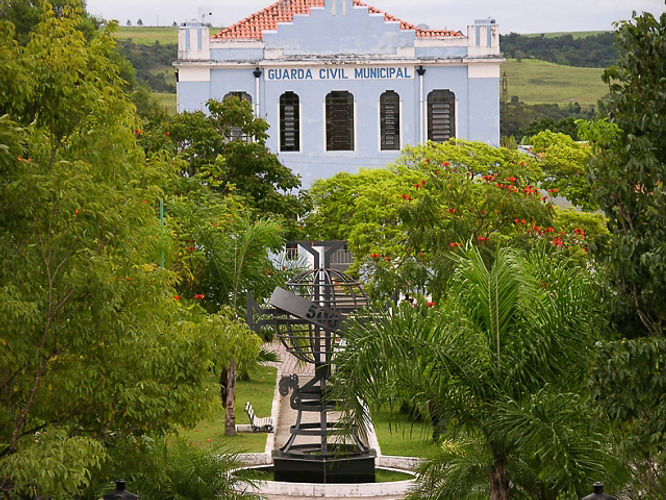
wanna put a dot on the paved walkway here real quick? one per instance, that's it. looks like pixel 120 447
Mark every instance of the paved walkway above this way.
pixel 285 417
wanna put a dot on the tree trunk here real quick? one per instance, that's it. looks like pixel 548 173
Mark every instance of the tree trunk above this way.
pixel 228 393
pixel 499 480
pixel 230 401
pixel 435 420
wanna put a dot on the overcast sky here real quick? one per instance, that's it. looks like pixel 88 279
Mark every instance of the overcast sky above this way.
pixel 520 16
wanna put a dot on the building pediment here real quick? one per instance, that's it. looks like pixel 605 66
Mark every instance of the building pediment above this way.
pixel 296 27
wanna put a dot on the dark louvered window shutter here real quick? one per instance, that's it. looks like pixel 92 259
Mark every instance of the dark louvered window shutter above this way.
pixel 389 118
pixel 339 121
pixel 289 122
pixel 441 115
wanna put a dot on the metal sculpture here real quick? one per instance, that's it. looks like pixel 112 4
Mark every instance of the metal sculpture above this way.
pixel 308 315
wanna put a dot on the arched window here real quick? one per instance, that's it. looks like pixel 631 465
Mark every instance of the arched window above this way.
pixel 389 120
pixel 240 94
pixel 243 96
pixel 441 115
pixel 339 121
pixel 289 122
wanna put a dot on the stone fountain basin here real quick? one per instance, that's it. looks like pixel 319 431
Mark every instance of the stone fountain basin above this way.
pixel 395 489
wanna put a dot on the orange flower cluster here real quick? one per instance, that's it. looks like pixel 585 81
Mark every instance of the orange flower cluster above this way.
pixel 508 187
pixel 530 190
pixel 199 296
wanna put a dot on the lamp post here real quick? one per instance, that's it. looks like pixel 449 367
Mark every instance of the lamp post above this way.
pixel 598 493
pixel 120 492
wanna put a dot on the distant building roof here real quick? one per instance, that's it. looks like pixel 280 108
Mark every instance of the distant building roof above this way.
pixel 283 12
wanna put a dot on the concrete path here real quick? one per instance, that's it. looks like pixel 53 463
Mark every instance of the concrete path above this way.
pixel 284 417
pixel 287 417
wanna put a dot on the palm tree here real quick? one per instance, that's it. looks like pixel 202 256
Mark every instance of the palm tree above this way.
pixel 501 360
pixel 238 263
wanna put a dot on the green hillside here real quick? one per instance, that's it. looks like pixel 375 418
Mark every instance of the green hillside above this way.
pixel 148 35
pixel 535 82
pixel 575 34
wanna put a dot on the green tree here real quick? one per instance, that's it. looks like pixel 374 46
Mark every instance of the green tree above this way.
pixel 500 364
pixel 227 149
pixel 402 223
pixel 95 350
pixel 627 179
pixel 565 164
pixel 628 176
pixel 223 255
pixel 25 15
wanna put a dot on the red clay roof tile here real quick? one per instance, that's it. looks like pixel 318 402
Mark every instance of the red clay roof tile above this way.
pixel 283 11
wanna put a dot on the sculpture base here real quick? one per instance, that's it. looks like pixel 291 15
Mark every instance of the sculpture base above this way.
pixel 297 468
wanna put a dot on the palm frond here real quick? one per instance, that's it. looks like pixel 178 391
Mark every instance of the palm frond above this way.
pixel 459 472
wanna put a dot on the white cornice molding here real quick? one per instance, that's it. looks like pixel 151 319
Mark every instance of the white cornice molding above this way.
pixel 268 63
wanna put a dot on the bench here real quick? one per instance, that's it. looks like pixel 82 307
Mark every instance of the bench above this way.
pixel 258 424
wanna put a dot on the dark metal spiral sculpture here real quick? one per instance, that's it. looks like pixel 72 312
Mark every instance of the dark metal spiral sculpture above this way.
pixel 308 316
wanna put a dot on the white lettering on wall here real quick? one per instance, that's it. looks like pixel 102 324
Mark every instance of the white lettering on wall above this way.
pixel 341 73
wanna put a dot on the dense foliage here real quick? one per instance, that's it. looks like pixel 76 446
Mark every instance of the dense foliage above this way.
pixel 152 63
pixel 628 174
pixel 520 120
pixel 499 367
pixel 225 150
pixel 99 351
pixel 403 222
pixel 627 179
pixel 595 51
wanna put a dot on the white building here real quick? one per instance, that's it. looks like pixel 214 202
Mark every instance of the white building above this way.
pixel 344 85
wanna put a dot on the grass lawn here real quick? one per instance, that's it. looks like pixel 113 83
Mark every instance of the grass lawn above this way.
pixel 259 391
pixel 167 100
pixel 400 437
pixel 535 81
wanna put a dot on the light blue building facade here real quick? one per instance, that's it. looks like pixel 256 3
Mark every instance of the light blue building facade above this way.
pixel 343 85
